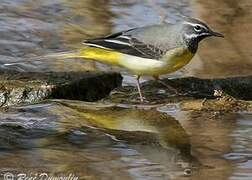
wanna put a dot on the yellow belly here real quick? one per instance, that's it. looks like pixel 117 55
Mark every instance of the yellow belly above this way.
pixel 172 61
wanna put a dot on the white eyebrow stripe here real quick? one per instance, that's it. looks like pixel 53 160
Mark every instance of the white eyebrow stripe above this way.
pixel 117 42
pixel 195 24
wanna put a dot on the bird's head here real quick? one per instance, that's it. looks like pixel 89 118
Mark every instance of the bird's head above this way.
pixel 193 31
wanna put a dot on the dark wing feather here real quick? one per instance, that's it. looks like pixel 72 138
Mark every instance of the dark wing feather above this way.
pixel 126 44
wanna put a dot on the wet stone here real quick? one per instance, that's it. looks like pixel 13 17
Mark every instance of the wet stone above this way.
pixel 238 87
pixel 30 87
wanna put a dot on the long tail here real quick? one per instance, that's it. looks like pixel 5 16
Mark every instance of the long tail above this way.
pixel 98 54
pixel 93 53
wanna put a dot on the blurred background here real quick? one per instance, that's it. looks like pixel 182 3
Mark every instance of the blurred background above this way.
pixel 75 137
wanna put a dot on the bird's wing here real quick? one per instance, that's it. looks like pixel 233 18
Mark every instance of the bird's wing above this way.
pixel 126 43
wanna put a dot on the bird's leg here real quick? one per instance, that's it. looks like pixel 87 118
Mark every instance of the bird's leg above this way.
pixel 139 89
pixel 166 85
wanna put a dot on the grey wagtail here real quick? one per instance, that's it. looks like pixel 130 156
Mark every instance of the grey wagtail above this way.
pixel 150 50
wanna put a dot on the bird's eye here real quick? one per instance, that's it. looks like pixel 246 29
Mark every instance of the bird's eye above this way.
pixel 197 28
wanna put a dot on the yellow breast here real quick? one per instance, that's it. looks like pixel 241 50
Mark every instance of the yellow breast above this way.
pixel 177 58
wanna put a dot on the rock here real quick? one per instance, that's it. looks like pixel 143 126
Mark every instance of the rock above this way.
pixel 238 87
pixel 30 87
pixel 229 94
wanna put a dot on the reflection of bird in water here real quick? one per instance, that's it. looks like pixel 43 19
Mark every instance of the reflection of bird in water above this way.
pixel 145 126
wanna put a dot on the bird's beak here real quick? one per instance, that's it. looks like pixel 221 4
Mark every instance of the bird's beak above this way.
pixel 217 34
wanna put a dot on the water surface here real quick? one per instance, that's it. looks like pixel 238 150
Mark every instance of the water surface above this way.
pixel 107 141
